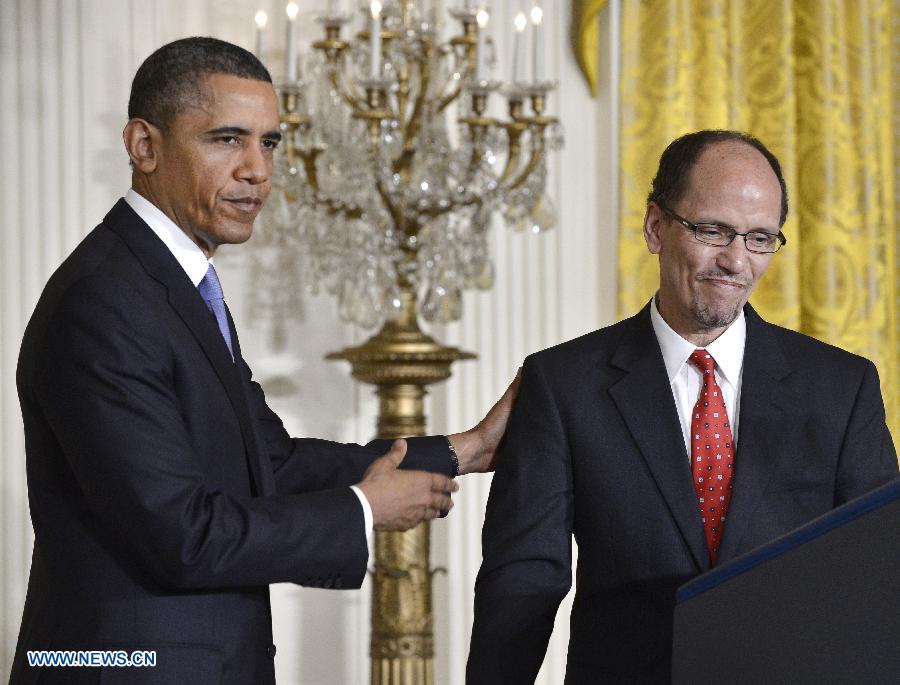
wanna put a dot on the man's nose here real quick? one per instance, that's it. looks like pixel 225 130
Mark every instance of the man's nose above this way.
pixel 733 257
pixel 256 166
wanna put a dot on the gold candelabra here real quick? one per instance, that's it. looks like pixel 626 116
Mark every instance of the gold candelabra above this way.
pixel 391 216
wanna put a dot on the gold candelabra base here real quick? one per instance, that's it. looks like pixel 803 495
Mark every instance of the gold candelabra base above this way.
pixel 400 361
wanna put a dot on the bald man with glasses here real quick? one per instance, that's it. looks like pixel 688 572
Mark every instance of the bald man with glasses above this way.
pixel 672 441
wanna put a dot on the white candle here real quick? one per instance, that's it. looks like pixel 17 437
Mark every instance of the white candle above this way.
pixel 517 61
pixel 375 41
pixel 482 19
pixel 537 18
pixel 261 18
pixel 291 50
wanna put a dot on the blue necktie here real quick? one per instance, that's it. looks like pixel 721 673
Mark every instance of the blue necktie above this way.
pixel 211 291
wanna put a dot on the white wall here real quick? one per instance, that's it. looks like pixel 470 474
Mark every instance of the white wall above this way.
pixel 65 72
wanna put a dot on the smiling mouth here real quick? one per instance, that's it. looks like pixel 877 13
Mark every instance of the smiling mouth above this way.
pixel 720 282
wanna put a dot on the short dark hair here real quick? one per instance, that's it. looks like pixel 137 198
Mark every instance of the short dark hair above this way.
pixel 170 80
pixel 678 159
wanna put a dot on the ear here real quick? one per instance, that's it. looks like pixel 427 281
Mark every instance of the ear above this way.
pixel 142 141
pixel 653 223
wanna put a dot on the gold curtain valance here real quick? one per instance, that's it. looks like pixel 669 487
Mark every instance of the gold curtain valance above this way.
pixel 586 37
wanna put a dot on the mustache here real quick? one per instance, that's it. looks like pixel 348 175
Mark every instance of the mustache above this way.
pixel 721 276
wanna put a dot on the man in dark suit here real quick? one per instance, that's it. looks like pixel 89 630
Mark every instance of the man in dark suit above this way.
pixel 674 440
pixel 165 495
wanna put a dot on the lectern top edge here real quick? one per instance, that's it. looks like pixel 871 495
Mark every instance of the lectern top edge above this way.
pixel 860 506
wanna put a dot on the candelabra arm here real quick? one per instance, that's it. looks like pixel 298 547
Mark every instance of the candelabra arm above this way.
pixel 308 157
pixel 415 119
pixel 450 97
pixel 402 95
pixel 453 95
pixel 337 82
pixel 538 150
pixel 514 131
pixel 477 131
pixel 290 150
pixel 469 41
pixel 478 127
pixel 533 163
pixel 414 124
pixel 393 210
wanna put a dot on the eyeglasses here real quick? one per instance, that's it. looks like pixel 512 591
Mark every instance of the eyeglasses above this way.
pixel 760 242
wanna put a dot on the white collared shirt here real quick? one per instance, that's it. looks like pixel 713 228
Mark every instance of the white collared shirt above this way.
pixel 186 252
pixel 686 380
pixel 195 264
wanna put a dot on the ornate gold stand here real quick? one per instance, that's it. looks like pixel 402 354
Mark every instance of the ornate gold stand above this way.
pixel 401 360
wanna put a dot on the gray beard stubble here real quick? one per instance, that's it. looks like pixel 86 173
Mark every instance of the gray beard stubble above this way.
pixel 710 319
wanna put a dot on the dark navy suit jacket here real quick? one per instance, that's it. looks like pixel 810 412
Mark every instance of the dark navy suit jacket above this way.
pixel 594 449
pixel 165 495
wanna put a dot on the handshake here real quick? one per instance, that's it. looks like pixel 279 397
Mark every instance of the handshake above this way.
pixel 402 499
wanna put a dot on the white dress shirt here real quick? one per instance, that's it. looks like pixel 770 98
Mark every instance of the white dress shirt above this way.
pixel 686 380
pixel 195 264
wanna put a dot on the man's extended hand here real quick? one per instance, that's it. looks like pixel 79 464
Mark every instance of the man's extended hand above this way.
pixel 477 448
pixel 403 499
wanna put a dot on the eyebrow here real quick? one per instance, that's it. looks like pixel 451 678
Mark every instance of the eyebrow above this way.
pixel 714 222
pixel 238 131
pixel 723 224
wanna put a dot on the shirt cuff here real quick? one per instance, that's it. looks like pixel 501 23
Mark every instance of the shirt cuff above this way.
pixel 368 518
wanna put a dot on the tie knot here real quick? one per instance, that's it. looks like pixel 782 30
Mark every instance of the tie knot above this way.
pixel 703 360
pixel 210 288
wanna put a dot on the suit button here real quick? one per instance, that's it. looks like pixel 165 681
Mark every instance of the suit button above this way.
pixel 270 650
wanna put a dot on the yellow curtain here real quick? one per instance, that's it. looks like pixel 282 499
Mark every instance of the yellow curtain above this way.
pixel 813 80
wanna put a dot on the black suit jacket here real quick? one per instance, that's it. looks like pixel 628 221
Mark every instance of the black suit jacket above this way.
pixel 595 449
pixel 165 495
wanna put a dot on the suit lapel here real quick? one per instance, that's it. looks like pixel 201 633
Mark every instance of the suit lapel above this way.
pixel 765 408
pixel 655 427
pixel 184 298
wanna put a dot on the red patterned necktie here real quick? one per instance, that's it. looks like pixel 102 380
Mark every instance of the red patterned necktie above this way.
pixel 712 453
